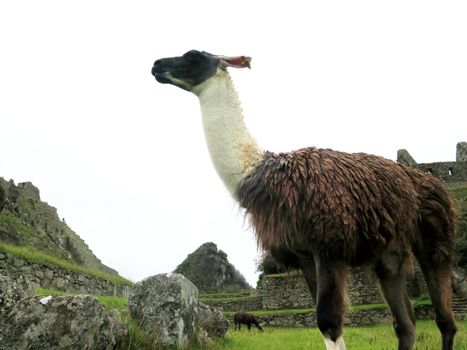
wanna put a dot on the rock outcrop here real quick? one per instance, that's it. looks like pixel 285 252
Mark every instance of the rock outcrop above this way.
pixel 167 308
pixel 58 323
pixel 209 269
pixel 26 220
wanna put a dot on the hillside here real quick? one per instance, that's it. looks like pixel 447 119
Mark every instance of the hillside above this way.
pixel 27 221
pixel 209 269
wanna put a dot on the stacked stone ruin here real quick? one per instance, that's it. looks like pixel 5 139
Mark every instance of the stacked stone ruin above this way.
pixel 450 172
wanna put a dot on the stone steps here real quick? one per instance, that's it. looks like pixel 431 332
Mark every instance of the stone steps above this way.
pixel 459 304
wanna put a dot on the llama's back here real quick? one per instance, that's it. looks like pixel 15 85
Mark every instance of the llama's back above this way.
pixel 339 202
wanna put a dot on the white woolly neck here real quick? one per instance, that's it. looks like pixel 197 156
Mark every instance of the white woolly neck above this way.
pixel 233 150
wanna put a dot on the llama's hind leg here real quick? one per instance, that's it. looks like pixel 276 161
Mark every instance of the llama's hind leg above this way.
pixel 438 279
pixel 330 308
pixel 390 272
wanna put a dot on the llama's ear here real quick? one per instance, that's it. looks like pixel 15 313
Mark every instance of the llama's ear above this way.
pixel 236 62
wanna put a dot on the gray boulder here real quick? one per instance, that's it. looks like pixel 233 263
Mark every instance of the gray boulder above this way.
pixel 60 323
pixel 166 306
pixel 211 324
pixel 10 294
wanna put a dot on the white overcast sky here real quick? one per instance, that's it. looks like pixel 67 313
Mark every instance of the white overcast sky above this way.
pixel 123 158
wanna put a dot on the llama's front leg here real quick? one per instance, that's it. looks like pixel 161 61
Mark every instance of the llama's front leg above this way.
pixel 331 288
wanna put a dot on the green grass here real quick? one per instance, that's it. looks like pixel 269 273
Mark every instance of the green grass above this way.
pixel 26 232
pixel 459 191
pixel 380 337
pixel 285 274
pixel 34 255
pixel 109 302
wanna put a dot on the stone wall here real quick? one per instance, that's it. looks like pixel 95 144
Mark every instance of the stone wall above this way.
pixel 290 291
pixel 352 318
pixel 284 292
pixel 447 171
pixel 238 304
pixel 461 152
pixel 35 275
pixel 450 172
pixel 363 288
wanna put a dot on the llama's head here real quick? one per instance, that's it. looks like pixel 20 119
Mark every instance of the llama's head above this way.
pixel 193 68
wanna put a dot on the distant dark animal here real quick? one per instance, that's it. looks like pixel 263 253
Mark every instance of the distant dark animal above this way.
pixel 243 317
pixel 325 211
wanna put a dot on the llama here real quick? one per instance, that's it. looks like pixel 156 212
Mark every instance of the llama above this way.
pixel 324 211
pixel 243 317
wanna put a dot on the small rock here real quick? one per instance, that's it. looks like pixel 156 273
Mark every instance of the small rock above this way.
pixel 59 283
pixel 18 262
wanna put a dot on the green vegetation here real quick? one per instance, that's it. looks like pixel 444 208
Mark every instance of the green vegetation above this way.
pixel 459 191
pixel 34 255
pixel 138 339
pixel 285 274
pixel 379 337
pixel 110 303
pixel 27 233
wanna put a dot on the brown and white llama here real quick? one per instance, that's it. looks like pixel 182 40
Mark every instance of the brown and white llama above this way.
pixel 324 211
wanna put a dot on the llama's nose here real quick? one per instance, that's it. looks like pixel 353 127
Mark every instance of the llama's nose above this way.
pixel 156 67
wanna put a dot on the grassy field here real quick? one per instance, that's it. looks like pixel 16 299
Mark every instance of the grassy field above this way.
pixel 380 337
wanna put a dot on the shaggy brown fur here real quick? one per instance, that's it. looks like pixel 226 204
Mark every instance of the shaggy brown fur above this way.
pixel 243 317
pixel 334 209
